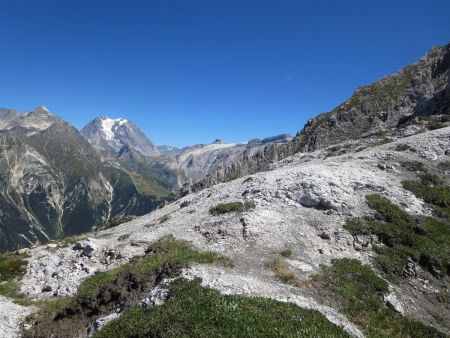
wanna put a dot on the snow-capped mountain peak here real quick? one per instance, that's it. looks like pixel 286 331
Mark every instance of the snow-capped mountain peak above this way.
pixel 111 135
pixel 109 126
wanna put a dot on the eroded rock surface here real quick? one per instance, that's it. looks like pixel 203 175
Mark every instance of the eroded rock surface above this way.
pixel 333 188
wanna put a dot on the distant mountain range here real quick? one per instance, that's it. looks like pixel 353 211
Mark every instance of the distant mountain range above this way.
pixel 111 135
pixel 57 181
pixel 53 182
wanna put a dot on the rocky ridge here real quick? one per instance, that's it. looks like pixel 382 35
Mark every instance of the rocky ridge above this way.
pixel 388 107
pixel 301 203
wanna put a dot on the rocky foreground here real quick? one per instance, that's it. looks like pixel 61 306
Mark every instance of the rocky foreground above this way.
pixel 301 204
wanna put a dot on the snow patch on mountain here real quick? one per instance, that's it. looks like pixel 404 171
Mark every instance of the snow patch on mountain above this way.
pixel 111 135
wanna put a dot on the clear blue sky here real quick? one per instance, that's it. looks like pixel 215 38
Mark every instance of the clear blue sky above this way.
pixel 191 71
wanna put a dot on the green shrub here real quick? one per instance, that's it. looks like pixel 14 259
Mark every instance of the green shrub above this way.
pixel 286 253
pixel 432 192
pixel 435 125
pixel 164 219
pixel 356 227
pixel 403 147
pixel 414 166
pixel 358 292
pixel 282 271
pixel 444 166
pixel 224 208
pixel 195 311
pixel 425 240
pixel 121 287
pixel 12 267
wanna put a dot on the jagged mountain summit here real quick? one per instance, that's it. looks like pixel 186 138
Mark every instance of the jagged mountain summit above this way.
pixel 111 135
pixel 39 118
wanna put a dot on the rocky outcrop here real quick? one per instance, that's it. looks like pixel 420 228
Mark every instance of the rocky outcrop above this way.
pixel 206 162
pixel 299 204
pixel 420 89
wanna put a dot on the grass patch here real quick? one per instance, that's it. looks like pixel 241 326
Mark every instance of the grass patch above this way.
pixel 115 222
pixel 195 311
pixel 404 147
pixel 282 271
pixel 12 267
pixel 434 192
pixel 69 240
pixel 335 151
pixel 119 288
pixel 379 143
pixel 358 292
pixel 123 237
pixel 163 219
pixel 424 240
pixel 414 166
pixel 286 253
pixel 225 208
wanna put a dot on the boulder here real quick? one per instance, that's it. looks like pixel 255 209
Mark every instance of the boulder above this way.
pixel 86 246
pixel 100 322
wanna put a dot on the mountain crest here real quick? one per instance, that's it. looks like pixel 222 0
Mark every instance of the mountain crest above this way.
pixel 111 135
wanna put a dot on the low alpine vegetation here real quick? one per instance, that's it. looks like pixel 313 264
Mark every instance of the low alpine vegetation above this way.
pixel 114 222
pixel 164 219
pixel 120 288
pixel 12 267
pixel 194 311
pixel 424 240
pixel 433 191
pixel 282 272
pixel 358 292
pixel 224 208
pixel 286 252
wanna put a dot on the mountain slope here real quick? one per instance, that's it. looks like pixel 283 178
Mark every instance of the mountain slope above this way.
pixel 201 160
pixel 394 106
pixel 297 214
pixel 54 183
pixel 111 135
pixel 416 90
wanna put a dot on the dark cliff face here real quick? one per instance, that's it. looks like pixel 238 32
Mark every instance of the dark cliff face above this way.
pixel 420 89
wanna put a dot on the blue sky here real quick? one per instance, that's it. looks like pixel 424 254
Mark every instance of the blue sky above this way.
pixel 192 71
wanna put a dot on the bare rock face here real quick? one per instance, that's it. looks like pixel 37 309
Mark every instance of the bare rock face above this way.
pixel 109 134
pixel 334 189
pixel 87 247
pixel 11 317
pixel 100 322
pixel 448 86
